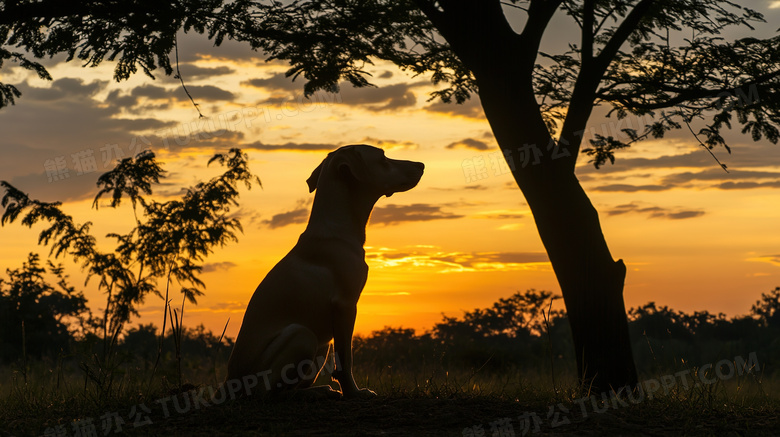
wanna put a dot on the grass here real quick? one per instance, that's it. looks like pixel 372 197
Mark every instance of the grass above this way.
pixel 58 398
pixel 133 395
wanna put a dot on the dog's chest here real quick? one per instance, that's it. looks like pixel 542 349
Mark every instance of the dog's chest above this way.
pixel 351 280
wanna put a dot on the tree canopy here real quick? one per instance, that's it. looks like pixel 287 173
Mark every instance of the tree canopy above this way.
pixel 667 58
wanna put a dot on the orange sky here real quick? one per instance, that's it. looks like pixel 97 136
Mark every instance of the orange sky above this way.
pixel 693 236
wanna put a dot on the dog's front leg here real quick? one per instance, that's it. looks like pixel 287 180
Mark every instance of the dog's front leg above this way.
pixel 344 325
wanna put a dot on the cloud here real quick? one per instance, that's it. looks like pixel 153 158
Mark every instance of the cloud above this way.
pixel 219 307
pixel 376 99
pixel 469 143
pixel 59 123
pixel 27 160
pixel 737 178
pixel 504 214
pixel 195 72
pixel 692 159
pixel 61 189
pixel 471 108
pixel 626 208
pixel 747 185
pixel 716 174
pixel 450 262
pixel 288 147
pixel 475 187
pixel 300 214
pixel 206 92
pixel 203 133
pixel 64 88
pixel 771 259
pixel 276 82
pixel 654 211
pixel 149 98
pixel 251 217
pixel 745 155
pixel 677 215
pixel 389 144
pixel 475 259
pixel 216 266
pixel 418 212
pixel 288 218
pixel 198 92
pixel 117 99
pixel 627 188
pixel 151 92
pixel 194 46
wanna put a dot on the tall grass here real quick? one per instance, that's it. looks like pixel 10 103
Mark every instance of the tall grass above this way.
pixel 56 391
pixel 145 367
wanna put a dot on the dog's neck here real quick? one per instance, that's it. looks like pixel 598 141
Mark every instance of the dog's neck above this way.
pixel 340 211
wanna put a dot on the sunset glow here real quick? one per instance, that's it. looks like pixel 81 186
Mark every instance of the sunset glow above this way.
pixel 693 236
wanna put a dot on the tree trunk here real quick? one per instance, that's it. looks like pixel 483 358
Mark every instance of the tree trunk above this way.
pixel 591 281
pixel 502 63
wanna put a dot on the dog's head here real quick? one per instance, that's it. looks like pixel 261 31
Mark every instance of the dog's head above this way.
pixel 370 168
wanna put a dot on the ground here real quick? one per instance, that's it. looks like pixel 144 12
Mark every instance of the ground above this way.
pixel 474 416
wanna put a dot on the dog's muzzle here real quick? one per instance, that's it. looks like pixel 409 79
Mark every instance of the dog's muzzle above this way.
pixel 413 175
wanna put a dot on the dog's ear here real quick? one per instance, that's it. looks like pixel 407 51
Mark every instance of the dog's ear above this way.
pixel 315 176
pixel 346 160
pixel 350 161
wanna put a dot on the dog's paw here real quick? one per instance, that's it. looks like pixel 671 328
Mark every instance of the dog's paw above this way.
pixel 321 392
pixel 331 394
pixel 362 393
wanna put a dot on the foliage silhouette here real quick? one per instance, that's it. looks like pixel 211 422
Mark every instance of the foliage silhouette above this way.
pixel 660 58
pixel 47 318
pixel 665 340
pixel 768 308
pixel 169 242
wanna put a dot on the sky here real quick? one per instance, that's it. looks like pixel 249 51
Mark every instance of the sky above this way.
pixel 693 236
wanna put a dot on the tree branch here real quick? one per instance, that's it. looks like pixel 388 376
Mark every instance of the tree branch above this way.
pixel 539 15
pixel 722 165
pixel 435 15
pixel 590 76
pixel 605 18
pixel 588 13
pixel 181 79
pixel 477 30
pixel 683 95
pixel 565 6
pixel 626 28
